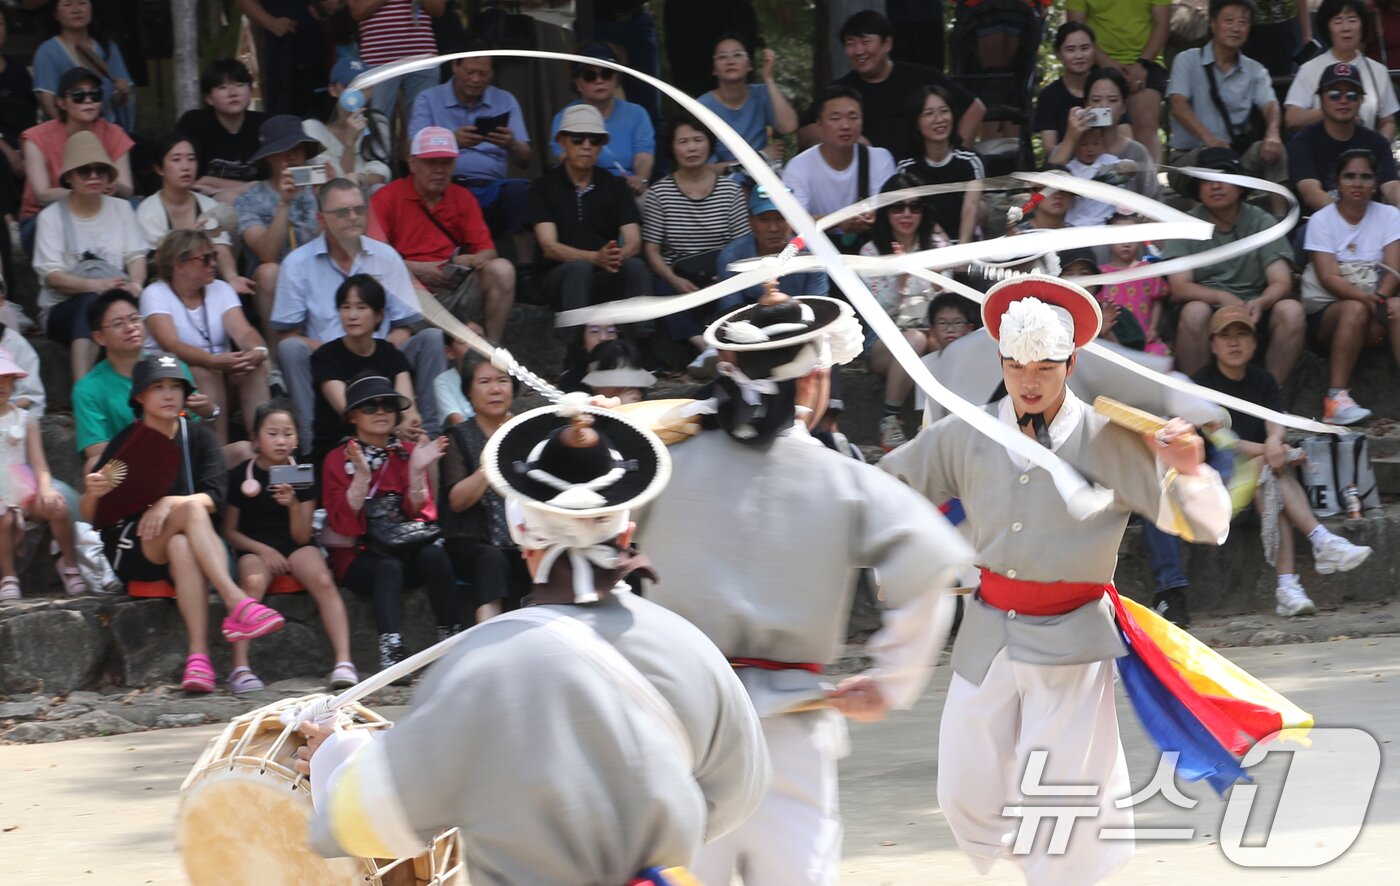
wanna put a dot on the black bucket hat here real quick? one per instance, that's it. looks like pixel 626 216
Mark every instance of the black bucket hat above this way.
pixel 373 387
pixel 151 369
pixel 282 133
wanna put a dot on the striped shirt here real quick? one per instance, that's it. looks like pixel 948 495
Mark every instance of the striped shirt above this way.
pixel 683 226
pixel 399 30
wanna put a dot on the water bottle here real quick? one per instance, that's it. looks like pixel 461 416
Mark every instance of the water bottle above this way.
pixel 1353 502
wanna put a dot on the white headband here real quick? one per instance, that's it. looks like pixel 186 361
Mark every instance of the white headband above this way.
pixel 1032 331
pixel 583 539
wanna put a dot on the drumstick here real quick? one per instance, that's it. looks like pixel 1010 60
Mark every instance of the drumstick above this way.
pixel 437 314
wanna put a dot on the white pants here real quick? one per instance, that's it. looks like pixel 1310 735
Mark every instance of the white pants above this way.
pixel 794 837
pixel 985 741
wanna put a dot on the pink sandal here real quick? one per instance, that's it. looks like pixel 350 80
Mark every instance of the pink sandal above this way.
pixel 242 679
pixel 250 620
pixel 199 674
pixel 73 582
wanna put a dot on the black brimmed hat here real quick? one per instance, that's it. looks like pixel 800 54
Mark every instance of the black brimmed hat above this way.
pixel 372 387
pixel 575 460
pixel 768 335
pixel 151 369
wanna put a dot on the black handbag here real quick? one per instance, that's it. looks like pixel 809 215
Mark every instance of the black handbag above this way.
pixel 702 268
pixel 389 531
pixel 1242 136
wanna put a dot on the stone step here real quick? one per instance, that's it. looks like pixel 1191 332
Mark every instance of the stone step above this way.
pixel 1387 470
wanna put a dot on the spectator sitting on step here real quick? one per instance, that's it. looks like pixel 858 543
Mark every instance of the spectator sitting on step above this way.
pixel 687 217
pixel 358 145
pixel 582 343
pixel 752 109
pixel 1344 25
pixel 174 539
pixel 76 42
pixel 452 404
pixel 78 109
pixel 178 205
pixel 29 388
pixel 630 151
pixel 1106 88
pixel 224 132
pixel 1313 152
pixel 1131 35
pixel 276 215
pixel 1232 344
pixel 1348 293
pixel 615 370
pixel 27 490
pixel 437 228
pixel 934 158
pixel 586 221
pixel 84 244
pixel 473 515
pixel 1092 162
pixel 484 159
pixel 269 528
pixel 200 319
pixel 306 315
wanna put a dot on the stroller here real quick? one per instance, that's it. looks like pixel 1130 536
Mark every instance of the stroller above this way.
pixel 993 46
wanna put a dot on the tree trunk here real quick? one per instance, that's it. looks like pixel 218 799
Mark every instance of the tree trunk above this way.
pixel 186 55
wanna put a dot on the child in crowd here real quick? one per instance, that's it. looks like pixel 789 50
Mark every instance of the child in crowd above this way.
pixel 270 527
pixel 1143 297
pixel 615 370
pixel 26 489
pixel 1092 161
pixel 1232 346
pixel 1119 325
pixel 453 405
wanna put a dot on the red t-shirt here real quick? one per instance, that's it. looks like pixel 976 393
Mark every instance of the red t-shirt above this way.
pixel 399 217
pixel 51 137
pixel 335 482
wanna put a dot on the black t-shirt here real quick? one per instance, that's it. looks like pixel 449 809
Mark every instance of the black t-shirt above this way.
pixel 18 107
pixel 586 220
pixel 1257 386
pixel 261 518
pixel 886 106
pixel 1312 154
pixel 220 152
pixel 1052 108
pixel 333 361
pixel 961 166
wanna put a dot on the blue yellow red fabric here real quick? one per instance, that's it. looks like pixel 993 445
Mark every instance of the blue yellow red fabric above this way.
pixel 675 876
pixel 1190 699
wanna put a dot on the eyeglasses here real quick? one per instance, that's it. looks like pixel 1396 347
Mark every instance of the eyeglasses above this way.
pixel 374 407
pixel 1358 176
pixel 737 55
pixel 902 208
pixel 84 96
pixel 950 324
pixel 122 324
pixel 1337 95
pixel 207 258
pixel 590 75
pixel 92 170
pixel 593 138
pixel 345 212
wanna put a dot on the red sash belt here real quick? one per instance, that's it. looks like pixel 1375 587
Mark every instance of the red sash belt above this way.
pixel 767 664
pixel 1038 597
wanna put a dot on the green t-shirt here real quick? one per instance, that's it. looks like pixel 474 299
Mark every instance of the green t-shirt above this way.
pixel 100 407
pixel 1243 275
pixel 1121 27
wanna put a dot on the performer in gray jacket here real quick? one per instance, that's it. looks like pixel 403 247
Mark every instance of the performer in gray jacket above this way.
pixel 1033 661
pixel 758 539
pixel 590 739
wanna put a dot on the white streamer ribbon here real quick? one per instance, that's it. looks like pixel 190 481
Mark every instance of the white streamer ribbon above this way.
pixel 582 560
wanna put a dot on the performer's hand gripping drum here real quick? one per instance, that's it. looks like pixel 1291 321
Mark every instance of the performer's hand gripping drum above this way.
pixel 245 813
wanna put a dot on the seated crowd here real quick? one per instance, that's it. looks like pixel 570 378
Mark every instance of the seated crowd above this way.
pixel 264 305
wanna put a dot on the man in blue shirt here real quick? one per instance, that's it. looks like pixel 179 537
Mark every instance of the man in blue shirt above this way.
pixel 483 158
pixel 306 316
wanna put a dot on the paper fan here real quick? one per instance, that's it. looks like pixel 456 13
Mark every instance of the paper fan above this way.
pixel 142 469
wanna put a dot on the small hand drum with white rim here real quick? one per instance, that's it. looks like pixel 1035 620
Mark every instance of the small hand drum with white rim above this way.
pixel 245 813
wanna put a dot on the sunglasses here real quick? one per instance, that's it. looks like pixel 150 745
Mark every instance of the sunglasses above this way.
pixel 591 75
pixel 592 138
pixel 1337 95
pixel 92 170
pixel 902 208
pixel 374 407
pixel 84 96
pixel 207 258
pixel 346 211
pixel 1358 176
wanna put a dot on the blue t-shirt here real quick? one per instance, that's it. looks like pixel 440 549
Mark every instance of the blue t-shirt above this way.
pixel 51 60
pixel 751 120
pixel 629 133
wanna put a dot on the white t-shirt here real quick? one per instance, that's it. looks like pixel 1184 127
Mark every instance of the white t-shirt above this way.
pixel 155 220
pixel 1379 99
pixel 822 190
pixel 1328 232
pixel 1085 211
pixel 112 235
pixel 202 327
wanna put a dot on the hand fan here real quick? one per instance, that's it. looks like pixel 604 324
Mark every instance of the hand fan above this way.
pixel 142 469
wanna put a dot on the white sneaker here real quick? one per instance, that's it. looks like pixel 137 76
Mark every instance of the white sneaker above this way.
pixel 1342 410
pixel 1336 554
pixel 1292 600
pixel 703 366
pixel 892 433
pixel 274 380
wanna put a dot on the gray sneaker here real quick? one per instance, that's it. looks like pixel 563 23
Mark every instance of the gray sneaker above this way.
pixel 1336 554
pixel 1292 600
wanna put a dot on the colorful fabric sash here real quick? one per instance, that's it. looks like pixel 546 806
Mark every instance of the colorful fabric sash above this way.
pixel 1190 699
pixel 675 876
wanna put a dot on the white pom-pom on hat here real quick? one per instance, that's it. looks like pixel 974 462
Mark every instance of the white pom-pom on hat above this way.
pixel 1032 331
